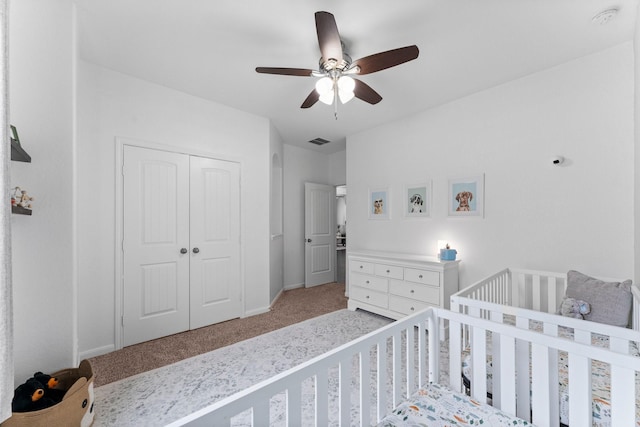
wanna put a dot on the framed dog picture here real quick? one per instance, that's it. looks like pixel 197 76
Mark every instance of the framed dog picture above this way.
pixel 417 200
pixel 466 196
pixel 379 203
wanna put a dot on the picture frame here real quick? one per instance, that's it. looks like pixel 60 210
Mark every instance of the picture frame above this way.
pixel 417 199
pixel 466 196
pixel 379 203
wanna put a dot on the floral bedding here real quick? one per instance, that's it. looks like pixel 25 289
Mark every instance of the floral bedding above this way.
pixel 438 406
pixel 600 380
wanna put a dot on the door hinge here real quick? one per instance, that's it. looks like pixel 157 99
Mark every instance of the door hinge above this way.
pixel 122 320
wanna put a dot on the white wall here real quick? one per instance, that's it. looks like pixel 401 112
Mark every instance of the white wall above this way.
pixel 579 215
pixel 41 107
pixel 276 246
pixel 114 105
pixel 300 166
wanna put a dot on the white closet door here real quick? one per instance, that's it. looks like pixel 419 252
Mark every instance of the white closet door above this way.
pixel 156 230
pixel 215 241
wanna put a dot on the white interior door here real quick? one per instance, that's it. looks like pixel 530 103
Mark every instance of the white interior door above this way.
pixel 320 234
pixel 156 230
pixel 215 241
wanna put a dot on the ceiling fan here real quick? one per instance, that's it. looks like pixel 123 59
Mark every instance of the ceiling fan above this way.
pixel 336 67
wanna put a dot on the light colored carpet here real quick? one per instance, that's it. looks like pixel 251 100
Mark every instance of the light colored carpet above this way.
pixel 157 397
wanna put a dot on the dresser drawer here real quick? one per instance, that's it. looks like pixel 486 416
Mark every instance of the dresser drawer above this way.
pixel 369 282
pixel 428 294
pixel 370 297
pixel 361 266
pixel 422 276
pixel 406 306
pixel 390 271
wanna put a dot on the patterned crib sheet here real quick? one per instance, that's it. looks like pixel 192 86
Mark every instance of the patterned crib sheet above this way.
pixel 438 406
pixel 600 380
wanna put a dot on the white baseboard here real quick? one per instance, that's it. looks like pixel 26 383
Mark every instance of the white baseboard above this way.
pixel 294 286
pixel 256 311
pixel 276 298
pixel 96 352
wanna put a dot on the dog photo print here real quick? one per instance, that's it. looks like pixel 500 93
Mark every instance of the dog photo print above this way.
pixel 379 203
pixel 466 196
pixel 417 202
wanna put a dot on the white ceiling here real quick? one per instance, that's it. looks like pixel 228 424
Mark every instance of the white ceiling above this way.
pixel 210 48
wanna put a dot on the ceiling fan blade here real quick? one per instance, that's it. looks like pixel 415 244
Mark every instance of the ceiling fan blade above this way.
pixel 328 37
pixel 285 71
pixel 363 91
pixel 383 60
pixel 313 97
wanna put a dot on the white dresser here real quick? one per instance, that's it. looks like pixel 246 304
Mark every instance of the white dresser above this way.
pixel 395 285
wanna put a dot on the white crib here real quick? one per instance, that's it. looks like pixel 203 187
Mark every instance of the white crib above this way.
pixel 540 291
pixel 361 382
pixel 530 300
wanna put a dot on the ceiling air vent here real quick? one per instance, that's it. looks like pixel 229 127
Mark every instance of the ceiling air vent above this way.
pixel 319 141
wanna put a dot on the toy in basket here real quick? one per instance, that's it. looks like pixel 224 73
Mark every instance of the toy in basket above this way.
pixel 66 398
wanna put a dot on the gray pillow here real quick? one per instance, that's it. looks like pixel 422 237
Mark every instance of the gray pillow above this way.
pixel 610 301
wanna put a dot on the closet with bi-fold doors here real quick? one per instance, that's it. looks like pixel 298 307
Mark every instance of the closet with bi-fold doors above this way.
pixel 181 242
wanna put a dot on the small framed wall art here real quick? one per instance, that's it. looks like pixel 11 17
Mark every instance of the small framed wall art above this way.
pixel 417 200
pixel 379 203
pixel 466 196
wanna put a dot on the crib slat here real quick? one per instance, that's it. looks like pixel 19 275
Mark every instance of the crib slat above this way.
pixel 260 412
pixel 535 292
pixel 423 372
pixel 322 398
pixel 411 357
pixel 506 398
pixel 496 316
pixel 522 371
pixel 622 402
pixel 365 389
pixel 579 390
pixel 554 384
pixel 552 296
pixel 455 350
pixel 344 394
pixel 382 380
pixel 479 364
pixel 294 405
pixel 540 385
pixel 397 369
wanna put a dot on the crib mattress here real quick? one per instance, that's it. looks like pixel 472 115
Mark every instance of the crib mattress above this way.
pixel 600 381
pixel 438 406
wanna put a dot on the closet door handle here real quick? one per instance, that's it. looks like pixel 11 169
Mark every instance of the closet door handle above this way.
pixel 183 251
pixel 196 250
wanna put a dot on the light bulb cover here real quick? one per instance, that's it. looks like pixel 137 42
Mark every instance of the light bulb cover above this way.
pixel 346 83
pixel 327 97
pixel 324 85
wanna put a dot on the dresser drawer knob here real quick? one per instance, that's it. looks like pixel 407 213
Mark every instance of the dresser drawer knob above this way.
pixel 362 266
pixel 412 309
pixel 367 296
pixel 412 291
pixel 420 276
pixel 388 271
pixel 367 282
